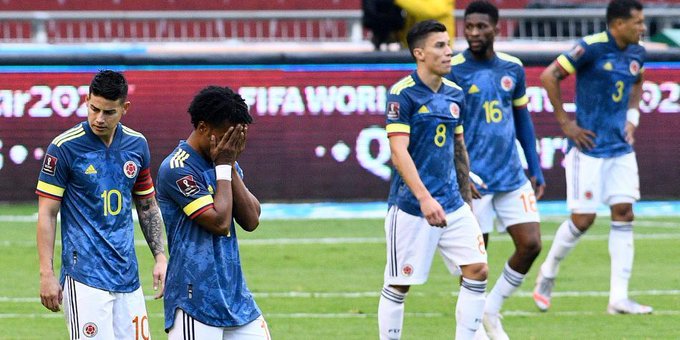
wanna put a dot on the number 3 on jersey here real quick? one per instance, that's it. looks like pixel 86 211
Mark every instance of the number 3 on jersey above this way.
pixel 440 135
pixel 616 97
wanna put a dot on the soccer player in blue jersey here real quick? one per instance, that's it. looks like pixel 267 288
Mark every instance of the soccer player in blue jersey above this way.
pixel 201 193
pixel 495 115
pixel 600 165
pixel 426 210
pixel 93 173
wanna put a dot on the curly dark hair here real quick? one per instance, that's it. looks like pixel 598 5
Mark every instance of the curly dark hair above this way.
pixel 483 7
pixel 110 85
pixel 215 104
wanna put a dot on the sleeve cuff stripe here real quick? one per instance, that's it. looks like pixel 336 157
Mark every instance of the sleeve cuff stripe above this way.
pixel 44 194
pixel 199 203
pixel 565 64
pixel 398 127
pixel 50 189
pixel 519 102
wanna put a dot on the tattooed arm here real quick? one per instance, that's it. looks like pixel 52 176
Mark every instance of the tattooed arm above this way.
pixel 151 223
pixel 462 163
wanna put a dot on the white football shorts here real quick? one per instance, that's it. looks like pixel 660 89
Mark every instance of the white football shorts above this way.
pixel 93 313
pixel 592 181
pixel 411 244
pixel 505 209
pixel 188 328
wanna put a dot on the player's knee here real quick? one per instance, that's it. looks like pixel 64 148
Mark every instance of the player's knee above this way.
pixel 623 213
pixel 401 289
pixel 583 221
pixel 476 271
pixel 532 247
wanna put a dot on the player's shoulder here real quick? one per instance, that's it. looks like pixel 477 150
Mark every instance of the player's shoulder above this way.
pixel 509 59
pixel 638 49
pixel 458 59
pixel 179 160
pixel 596 39
pixel 130 133
pixel 69 135
pixel 402 84
pixel 451 84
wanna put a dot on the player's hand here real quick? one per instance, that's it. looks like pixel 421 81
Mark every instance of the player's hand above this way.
pixel 538 188
pixel 433 212
pixel 581 137
pixel 630 131
pixel 475 193
pixel 226 150
pixel 159 270
pixel 474 181
pixel 242 145
pixel 51 294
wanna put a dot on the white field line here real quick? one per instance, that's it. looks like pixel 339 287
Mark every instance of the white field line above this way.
pixel 364 240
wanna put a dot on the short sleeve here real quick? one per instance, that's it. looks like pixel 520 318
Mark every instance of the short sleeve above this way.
pixel 581 54
pixel 187 189
pixel 398 113
pixel 143 187
pixel 54 173
pixel 519 97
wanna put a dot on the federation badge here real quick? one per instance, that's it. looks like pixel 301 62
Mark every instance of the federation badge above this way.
pixel 588 195
pixel 634 67
pixel 455 110
pixel 90 329
pixel 576 52
pixel 507 83
pixel 187 185
pixel 49 164
pixel 130 169
pixel 407 270
pixel 392 110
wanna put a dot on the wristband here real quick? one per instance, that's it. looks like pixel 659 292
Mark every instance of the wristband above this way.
pixel 223 172
pixel 633 116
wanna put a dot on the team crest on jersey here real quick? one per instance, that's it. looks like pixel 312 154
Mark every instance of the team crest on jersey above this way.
pixel 507 83
pixel 187 185
pixel 455 110
pixel 90 329
pixel 49 164
pixel 576 52
pixel 588 195
pixel 392 110
pixel 634 67
pixel 407 270
pixel 130 169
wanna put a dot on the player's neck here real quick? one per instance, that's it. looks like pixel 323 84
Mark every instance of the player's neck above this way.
pixel 107 140
pixel 431 80
pixel 194 143
pixel 487 55
pixel 621 43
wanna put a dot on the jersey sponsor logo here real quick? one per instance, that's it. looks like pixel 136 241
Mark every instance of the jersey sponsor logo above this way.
pixel 407 270
pixel 634 67
pixel 507 83
pixel 50 164
pixel 576 52
pixel 187 185
pixel 90 329
pixel 473 89
pixel 392 110
pixel 90 170
pixel 455 110
pixel 130 169
pixel 608 66
pixel 423 109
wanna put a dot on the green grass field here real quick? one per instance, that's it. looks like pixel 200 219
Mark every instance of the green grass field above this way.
pixel 320 279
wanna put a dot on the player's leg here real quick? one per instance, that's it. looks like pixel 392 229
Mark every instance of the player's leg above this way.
pixel 130 319
pixel 485 214
pixel 186 327
pixel 255 330
pixel 583 175
pixel 621 191
pixel 88 311
pixel 462 244
pixel 411 242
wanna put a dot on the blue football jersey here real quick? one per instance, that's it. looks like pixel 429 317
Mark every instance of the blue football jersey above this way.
pixel 604 77
pixel 204 276
pixel 95 185
pixel 429 119
pixel 493 88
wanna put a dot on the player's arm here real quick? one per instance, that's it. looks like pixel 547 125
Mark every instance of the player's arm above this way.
pixel 633 114
pixel 462 164
pixel 151 223
pixel 402 161
pixel 246 206
pixel 526 136
pixel 217 219
pixel 50 289
pixel 551 78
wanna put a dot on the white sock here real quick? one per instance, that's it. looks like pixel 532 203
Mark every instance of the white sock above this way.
pixel 469 308
pixel 390 313
pixel 566 238
pixel 621 252
pixel 507 284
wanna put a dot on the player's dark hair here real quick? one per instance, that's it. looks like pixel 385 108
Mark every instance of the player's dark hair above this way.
pixel 620 9
pixel 214 105
pixel 420 31
pixel 110 85
pixel 483 7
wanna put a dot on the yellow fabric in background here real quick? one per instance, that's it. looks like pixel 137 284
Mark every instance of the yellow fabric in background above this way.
pixel 420 10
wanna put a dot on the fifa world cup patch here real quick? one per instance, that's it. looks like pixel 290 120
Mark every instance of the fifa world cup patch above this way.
pixel 576 52
pixel 392 110
pixel 90 329
pixel 130 169
pixel 50 164
pixel 187 185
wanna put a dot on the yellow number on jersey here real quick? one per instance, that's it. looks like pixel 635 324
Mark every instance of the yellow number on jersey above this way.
pixel 107 195
pixel 493 113
pixel 619 91
pixel 440 135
